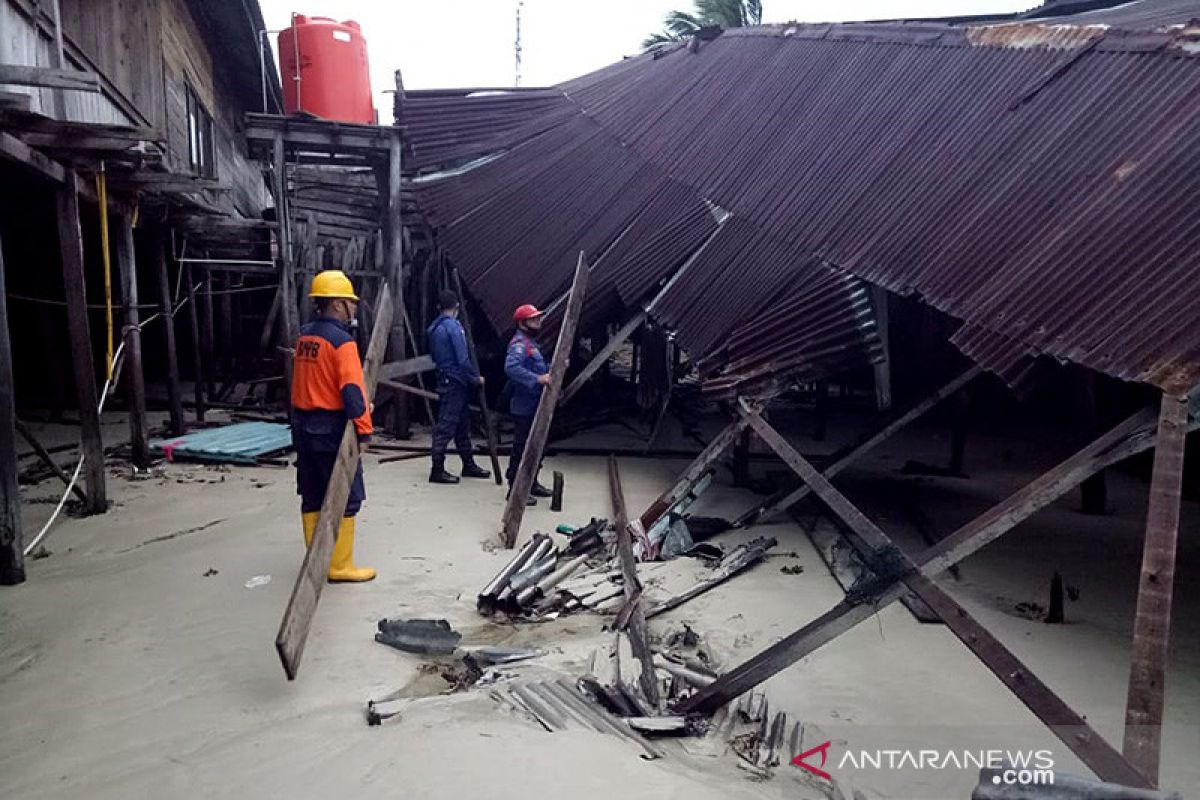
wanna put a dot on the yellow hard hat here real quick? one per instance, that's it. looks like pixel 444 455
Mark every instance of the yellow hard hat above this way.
pixel 332 283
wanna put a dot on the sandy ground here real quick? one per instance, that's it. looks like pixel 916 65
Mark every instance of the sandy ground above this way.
pixel 136 662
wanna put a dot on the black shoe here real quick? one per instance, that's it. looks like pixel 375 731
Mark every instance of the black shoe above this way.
pixel 439 475
pixel 473 470
pixel 529 501
pixel 540 491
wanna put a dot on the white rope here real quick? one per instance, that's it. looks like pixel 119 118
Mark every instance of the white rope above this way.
pixel 99 410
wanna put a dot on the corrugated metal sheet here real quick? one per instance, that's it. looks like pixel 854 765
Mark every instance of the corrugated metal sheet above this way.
pixel 241 443
pixel 1139 15
pixel 1037 182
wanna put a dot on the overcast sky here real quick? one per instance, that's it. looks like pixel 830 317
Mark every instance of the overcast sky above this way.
pixel 449 43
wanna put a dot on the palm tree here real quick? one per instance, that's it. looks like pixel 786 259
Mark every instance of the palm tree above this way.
pixel 680 25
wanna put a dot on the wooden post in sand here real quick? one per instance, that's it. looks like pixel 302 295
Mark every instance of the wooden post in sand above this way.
pixel 12 543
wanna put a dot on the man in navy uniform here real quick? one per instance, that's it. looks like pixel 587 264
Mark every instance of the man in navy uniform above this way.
pixel 528 373
pixel 457 380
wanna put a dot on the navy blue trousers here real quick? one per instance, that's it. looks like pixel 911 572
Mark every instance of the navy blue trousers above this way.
pixel 317 436
pixel 521 428
pixel 453 422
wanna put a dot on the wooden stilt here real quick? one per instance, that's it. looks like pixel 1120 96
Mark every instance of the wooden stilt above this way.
pixel 306 593
pixel 883 370
pixel 1152 624
pixel 197 349
pixel 135 381
pixel 209 333
pixel 12 541
pixel 174 392
pixel 741 460
pixel 788 498
pixel 873 543
pixel 71 248
pixel 531 458
pixel 958 432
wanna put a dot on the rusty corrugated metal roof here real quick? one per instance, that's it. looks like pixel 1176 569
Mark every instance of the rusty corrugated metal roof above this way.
pixel 1036 181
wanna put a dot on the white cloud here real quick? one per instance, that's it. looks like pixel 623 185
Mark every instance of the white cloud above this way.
pixel 450 43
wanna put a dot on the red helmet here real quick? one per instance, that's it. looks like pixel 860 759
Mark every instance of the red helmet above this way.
pixel 525 312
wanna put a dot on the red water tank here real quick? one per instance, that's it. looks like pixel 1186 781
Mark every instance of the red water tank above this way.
pixel 324 70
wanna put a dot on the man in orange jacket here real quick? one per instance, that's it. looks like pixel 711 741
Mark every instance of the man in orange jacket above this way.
pixel 328 390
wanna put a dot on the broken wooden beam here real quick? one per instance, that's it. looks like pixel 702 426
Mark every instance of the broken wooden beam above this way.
pixel 694 472
pixel 302 605
pixel 896 567
pixel 638 633
pixel 1152 621
pixel 402 369
pixel 531 458
pixel 787 498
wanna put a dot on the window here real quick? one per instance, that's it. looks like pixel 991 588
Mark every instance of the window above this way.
pixel 201 157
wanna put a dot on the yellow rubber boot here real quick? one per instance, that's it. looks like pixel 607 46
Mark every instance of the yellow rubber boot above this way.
pixel 341 566
pixel 309 521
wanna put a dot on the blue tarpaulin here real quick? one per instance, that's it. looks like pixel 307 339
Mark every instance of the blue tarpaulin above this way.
pixel 241 443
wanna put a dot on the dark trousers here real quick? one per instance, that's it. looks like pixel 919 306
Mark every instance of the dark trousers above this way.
pixel 521 428
pixel 453 422
pixel 317 435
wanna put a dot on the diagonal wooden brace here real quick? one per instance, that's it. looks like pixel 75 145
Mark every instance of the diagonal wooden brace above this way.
pixel 1072 729
pixel 782 501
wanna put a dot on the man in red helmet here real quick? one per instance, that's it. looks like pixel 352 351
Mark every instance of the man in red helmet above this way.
pixel 528 373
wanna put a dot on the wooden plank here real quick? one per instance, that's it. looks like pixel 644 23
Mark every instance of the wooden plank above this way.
pixel 638 633
pixel 784 500
pixel 619 338
pixel 70 240
pixel 392 237
pixel 1152 622
pixel 489 424
pixel 49 78
pixel 402 369
pixel 302 605
pixel 12 541
pixel 696 470
pixel 1070 727
pixel 531 458
pixel 135 380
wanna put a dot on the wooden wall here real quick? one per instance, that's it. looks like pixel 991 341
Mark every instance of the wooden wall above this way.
pixel 121 38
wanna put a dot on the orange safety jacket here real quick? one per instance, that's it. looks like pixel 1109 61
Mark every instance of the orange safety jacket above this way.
pixel 327 377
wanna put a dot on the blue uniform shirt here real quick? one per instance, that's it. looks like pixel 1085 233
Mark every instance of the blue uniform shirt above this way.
pixel 448 348
pixel 523 364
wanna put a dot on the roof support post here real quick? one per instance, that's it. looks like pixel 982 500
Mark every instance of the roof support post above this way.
pixel 12 542
pixel 70 240
pixel 1152 624
pixel 393 270
pixel 135 381
pixel 174 392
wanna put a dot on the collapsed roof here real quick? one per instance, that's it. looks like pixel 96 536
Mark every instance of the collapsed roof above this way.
pixel 1036 181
